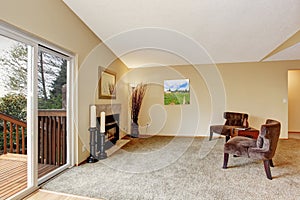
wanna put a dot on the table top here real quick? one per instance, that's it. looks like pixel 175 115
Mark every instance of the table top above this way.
pixel 252 132
pixel 246 129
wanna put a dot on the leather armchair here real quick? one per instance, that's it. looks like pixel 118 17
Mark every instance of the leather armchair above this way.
pixel 233 120
pixel 262 148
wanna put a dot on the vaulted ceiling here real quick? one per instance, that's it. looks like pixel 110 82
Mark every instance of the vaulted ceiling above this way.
pixel 175 32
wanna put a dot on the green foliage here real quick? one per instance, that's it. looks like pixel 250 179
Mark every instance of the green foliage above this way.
pixel 174 98
pixel 52 75
pixel 14 105
pixel 14 65
pixel 60 80
pixel 54 68
pixel 54 102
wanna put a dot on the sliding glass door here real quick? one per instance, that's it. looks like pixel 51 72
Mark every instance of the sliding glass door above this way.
pixel 14 67
pixel 52 117
pixel 42 74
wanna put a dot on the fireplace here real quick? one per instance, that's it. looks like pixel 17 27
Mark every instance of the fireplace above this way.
pixel 111 130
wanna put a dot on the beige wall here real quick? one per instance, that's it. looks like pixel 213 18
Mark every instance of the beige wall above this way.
pixel 88 92
pixel 187 120
pixel 259 89
pixel 294 100
pixel 54 22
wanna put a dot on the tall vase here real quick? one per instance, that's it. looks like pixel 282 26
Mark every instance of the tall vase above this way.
pixel 134 130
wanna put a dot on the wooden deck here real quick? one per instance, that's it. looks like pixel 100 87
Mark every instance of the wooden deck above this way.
pixel 13 173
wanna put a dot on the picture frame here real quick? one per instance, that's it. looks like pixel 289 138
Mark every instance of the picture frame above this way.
pixel 177 92
pixel 107 84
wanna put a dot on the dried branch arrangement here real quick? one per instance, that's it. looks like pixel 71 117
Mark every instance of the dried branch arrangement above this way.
pixel 136 101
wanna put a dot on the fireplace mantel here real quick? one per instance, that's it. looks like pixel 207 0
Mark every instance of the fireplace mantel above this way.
pixel 109 109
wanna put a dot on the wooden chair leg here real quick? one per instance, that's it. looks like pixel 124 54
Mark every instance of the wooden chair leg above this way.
pixel 271 163
pixel 226 156
pixel 227 138
pixel 267 169
pixel 211 135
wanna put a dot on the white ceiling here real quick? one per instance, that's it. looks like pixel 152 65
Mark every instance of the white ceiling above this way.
pixel 291 53
pixel 175 32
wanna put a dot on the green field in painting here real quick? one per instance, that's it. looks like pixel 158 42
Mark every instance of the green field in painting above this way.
pixel 175 98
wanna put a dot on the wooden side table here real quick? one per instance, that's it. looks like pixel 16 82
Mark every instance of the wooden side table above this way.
pixel 251 132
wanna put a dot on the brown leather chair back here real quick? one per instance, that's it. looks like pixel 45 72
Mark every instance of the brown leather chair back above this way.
pixel 268 138
pixel 236 119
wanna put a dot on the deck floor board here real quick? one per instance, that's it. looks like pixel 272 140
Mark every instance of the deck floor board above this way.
pixel 13 173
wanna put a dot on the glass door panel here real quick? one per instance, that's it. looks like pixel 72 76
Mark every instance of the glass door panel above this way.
pixel 13 116
pixel 52 112
pixel 35 139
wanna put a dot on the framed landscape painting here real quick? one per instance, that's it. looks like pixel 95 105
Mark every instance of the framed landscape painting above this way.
pixel 177 92
pixel 107 84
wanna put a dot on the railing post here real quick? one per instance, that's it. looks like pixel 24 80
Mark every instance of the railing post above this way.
pixel 53 133
pixel 23 140
pixel 11 138
pixel 49 132
pixel 45 140
pixel 52 136
pixel 17 140
pixel 14 128
pixel 64 131
pixel 4 137
pixel 58 140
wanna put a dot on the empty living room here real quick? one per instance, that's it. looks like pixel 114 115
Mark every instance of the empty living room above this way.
pixel 149 99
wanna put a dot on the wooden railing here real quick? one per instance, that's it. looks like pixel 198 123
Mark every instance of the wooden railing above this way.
pixel 12 128
pixel 52 137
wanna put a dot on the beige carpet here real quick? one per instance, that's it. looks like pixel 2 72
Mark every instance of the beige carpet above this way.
pixel 119 144
pixel 177 168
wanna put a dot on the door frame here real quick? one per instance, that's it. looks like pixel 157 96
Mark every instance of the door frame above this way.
pixel 33 42
pixel 70 114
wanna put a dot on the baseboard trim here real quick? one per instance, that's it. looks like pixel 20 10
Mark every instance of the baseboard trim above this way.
pixel 294 132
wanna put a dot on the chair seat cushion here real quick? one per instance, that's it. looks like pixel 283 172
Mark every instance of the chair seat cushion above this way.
pixel 260 153
pixel 239 145
pixel 222 129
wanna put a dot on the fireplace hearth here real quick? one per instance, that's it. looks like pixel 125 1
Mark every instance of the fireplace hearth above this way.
pixel 111 131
